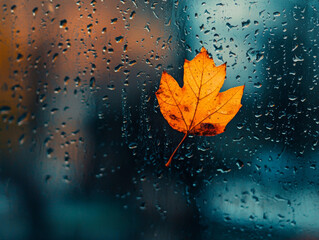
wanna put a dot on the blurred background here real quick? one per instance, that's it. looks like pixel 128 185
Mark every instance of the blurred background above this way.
pixel 83 143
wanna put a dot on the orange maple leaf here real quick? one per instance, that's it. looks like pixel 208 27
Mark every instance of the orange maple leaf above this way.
pixel 198 108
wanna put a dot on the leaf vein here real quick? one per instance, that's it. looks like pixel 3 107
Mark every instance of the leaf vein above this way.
pixel 215 111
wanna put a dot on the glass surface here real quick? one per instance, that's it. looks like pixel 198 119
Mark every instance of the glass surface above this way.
pixel 83 143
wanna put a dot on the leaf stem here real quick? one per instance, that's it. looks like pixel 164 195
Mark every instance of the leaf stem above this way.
pixel 171 158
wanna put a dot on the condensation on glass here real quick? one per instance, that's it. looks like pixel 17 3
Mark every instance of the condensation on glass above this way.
pixel 83 143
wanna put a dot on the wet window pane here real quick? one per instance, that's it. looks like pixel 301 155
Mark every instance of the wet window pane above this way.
pixel 83 141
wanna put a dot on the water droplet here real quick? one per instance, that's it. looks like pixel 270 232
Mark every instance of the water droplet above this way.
pixel 19 57
pixel 292 98
pixel 143 206
pixel 132 63
pixel 14 7
pixel 105 98
pixel 21 139
pixel 111 87
pixel 119 39
pixel 63 23
pixel 5 109
pixel 132 145
pixel 66 80
pixel 118 67
pixel 66 179
pixel 34 11
pixel 276 14
pixel 245 24
pixel 49 152
pixel 92 82
pixel 55 56
pixel 22 119
pixel 132 15
pixel 54 110
pixel 297 59
pixel 239 164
